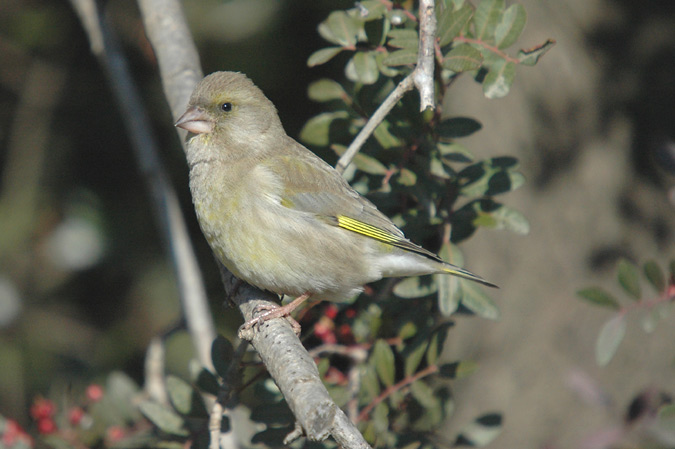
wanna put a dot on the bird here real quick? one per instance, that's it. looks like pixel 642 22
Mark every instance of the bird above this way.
pixel 279 217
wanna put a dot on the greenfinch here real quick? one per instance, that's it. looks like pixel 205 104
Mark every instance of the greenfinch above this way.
pixel 279 217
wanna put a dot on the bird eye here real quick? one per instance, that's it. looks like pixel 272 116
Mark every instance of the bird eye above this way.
pixel 227 107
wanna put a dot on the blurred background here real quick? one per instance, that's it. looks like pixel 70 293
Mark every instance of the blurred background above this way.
pixel 85 282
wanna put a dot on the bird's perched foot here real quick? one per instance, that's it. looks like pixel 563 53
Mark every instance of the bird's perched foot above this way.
pixel 270 312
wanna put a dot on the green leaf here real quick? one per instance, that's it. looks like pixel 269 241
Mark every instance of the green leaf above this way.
pixel 482 431
pixel 449 287
pixel 599 297
pixel 388 71
pixel 438 168
pixel 340 28
pixel 610 338
pixel 650 318
pixel 476 300
pixel 487 16
pixel 407 177
pixel 457 370
pixel 415 287
pixel 317 129
pixel 490 182
pixel 655 276
pixel 531 56
pixel 490 177
pixel 452 22
pixel 380 418
pixel 369 164
pixel 384 136
pixel 499 79
pixel 322 56
pixel 406 331
pixel 413 358
pixel 276 413
pixel 384 362
pixel 365 67
pixel 407 56
pixel 505 218
pixel 371 9
pixel 424 394
pixel 222 353
pixel 437 341
pixel 511 25
pixel 185 399
pixel 270 437
pixel 454 152
pixel 455 127
pixel 629 278
pixel 164 418
pixel 119 400
pixel 370 387
pixel 462 58
pixel 207 382
pixel 403 38
pixel 326 90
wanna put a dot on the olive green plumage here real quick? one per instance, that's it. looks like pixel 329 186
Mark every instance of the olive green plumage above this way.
pixel 276 215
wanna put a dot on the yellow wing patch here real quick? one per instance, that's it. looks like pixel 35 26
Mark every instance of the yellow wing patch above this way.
pixel 354 225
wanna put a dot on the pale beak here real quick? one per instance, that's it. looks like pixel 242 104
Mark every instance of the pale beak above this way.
pixel 195 120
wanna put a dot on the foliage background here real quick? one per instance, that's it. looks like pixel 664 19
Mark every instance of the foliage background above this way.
pixel 590 124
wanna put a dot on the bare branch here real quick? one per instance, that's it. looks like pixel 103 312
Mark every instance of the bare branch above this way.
pixel 293 369
pixel 164 200
pixel 175 49
pixel 424 72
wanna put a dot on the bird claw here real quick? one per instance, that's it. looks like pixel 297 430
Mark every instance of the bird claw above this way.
pixel 266 312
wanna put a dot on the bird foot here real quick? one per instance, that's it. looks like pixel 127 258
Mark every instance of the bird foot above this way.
pixel 266 312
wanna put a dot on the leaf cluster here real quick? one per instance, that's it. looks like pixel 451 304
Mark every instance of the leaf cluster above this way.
pixel 652 309
pixel 382 41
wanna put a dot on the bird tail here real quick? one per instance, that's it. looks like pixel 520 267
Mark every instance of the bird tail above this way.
pixel 461 272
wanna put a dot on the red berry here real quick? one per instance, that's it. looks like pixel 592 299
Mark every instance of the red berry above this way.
pixel 323 329
pixel 115 433
pixel 331 311
pixel 46 426
pixel 350 313
pixel 94 392
pixel 42 408
pixel 75 416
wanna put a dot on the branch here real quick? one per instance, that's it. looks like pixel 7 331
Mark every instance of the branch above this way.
pixel 422 77
pixel 286 359
pixel 387 105
pixel 424 72
pixel 105 47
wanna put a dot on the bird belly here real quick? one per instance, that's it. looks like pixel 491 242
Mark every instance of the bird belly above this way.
pixel 286 251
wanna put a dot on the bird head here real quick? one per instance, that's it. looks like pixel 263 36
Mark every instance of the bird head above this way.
pixel 228 106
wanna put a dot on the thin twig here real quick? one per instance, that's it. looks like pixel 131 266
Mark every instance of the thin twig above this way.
pixel 431 369
pixel 421 77
pixel 105 47
pixel 387 105
pixel 155 386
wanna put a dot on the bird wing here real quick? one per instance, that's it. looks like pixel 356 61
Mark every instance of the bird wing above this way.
pixel 313 186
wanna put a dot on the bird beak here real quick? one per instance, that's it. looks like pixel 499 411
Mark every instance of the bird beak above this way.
pixel 196 120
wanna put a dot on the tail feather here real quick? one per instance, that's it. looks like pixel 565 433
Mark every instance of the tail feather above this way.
pixel 454 270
